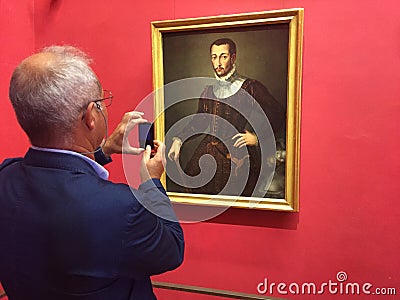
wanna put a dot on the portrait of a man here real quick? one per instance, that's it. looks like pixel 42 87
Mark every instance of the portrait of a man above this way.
pixel 224 113
pixel 227 104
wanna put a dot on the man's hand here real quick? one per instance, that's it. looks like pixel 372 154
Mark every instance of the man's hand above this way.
pixel 118 142
pixel 245 139
pixel 153 167
pixel 173 153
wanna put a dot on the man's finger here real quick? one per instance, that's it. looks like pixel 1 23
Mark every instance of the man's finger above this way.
pixel 133 122
pixel 157 143
pixel 160 151
pixel 132 115
pixel 171 155
pixel 147 153
pixel 135 114
pixel 237 142
pixel 240 143
pixel 159 147
pixel 133 150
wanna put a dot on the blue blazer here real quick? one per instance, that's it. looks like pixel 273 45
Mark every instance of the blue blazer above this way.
pixel 65 233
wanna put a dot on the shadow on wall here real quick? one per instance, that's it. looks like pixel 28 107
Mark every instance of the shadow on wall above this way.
pixel 258 218
pixel 236 216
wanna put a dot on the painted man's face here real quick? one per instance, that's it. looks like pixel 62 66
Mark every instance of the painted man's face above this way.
pixel 221 59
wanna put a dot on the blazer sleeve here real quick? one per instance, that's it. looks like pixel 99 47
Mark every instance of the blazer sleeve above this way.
pixel 154 241
pixel 101 158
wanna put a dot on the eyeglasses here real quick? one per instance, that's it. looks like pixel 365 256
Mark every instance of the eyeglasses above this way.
pixel 108 96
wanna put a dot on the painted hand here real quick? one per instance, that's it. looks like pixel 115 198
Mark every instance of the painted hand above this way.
pixel 173 153
pixel 245 139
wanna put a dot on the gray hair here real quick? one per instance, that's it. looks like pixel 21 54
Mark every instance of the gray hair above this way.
pixel 48 98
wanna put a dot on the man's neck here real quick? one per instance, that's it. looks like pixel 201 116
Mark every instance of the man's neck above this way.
pixel 66 146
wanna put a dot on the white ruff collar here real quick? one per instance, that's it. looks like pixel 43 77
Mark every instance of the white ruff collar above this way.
pixel 228 85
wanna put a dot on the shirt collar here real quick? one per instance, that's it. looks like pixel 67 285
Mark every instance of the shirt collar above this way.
pixel 100 170
pixel 228 85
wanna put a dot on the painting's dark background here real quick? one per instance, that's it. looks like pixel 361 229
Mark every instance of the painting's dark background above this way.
pixel 261 53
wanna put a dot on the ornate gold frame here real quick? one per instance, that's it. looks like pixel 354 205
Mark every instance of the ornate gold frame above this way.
pixel 292 17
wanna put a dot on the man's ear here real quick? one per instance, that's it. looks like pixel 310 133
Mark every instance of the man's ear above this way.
pixel 89 116
pixel 233 58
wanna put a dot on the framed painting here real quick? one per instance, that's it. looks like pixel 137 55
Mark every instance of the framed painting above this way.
pixel 227 105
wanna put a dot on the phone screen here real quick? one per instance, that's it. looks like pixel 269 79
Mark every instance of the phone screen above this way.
pixel 146 135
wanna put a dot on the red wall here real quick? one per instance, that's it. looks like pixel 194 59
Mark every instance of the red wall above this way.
pixel 350 136
pixel 17 42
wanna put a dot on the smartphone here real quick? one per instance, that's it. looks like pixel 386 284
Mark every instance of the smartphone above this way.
pixel 146 135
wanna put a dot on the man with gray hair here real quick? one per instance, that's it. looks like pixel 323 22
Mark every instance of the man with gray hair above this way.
pixel 66 231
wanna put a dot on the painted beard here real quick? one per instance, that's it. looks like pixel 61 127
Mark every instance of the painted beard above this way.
pixel 226 75
pixel 220 71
